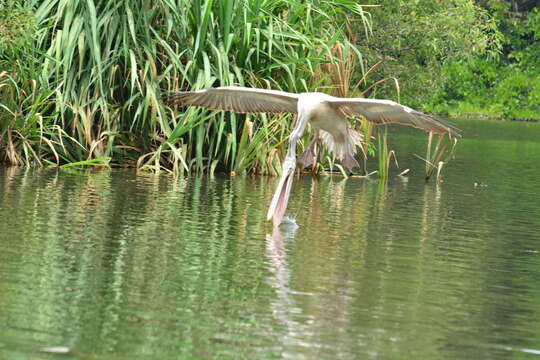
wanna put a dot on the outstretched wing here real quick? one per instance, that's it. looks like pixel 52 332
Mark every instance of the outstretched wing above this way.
pixel 237 99
pixel 386 111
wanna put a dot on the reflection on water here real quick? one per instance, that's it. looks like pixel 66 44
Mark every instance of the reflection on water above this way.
pixel 119 265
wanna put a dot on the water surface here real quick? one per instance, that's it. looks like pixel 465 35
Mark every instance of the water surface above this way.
pixel 120 265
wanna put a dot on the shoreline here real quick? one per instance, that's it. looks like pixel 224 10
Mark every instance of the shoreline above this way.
pixel 474 116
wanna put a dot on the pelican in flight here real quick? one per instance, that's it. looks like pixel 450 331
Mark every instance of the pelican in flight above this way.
pixel 326 114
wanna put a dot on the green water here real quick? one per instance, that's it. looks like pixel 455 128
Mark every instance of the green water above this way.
pixel 119 265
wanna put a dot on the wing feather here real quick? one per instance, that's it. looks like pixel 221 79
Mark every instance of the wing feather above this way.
pixel 237 99
pixel 386 111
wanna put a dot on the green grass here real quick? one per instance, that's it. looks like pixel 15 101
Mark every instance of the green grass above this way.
pixel 89 84
pixel 83 82
pixel 384 155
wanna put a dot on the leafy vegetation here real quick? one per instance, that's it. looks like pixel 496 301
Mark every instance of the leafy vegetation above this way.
pixel 84 80
pixel 99 70
pixel 15 25
pixel 415 40
pixel 488 88
pixel 459 57
pixel 507 86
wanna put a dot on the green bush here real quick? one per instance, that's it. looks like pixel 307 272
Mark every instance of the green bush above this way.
pixel 486 87
pixel 16 26
pixel 417 39
pixel 507 86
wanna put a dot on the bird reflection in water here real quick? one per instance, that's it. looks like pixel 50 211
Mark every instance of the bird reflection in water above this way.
pixel 284 305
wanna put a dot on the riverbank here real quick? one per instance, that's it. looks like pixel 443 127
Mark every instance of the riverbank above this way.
pixel 482 116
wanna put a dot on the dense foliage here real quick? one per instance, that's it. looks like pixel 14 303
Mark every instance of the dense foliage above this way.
pixel 83 81
pixel 417 39
pixel 93 83
pixel 507 86
pixel 459 57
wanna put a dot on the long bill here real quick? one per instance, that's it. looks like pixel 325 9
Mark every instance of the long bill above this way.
pixel 281 196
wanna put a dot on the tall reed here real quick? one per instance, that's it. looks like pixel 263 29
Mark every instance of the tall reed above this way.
pixel 384 155
pixel 103 67
pixel 338 75
pixel 438 154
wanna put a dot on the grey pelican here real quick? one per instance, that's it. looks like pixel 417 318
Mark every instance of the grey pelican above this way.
pixel 326 114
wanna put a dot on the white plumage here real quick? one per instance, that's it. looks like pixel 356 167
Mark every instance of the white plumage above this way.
pixel 326 114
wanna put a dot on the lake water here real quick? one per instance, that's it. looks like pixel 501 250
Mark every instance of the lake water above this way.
pixel 119 265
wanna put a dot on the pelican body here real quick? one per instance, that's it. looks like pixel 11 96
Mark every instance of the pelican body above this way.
pixel 326 114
